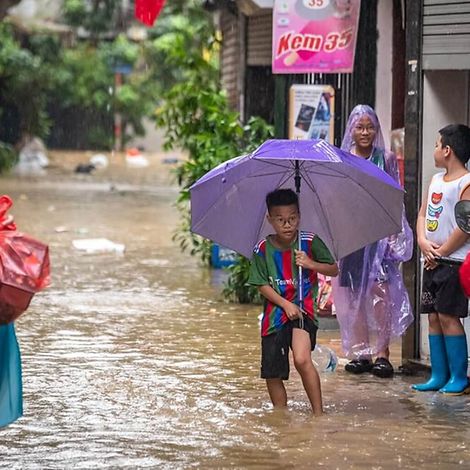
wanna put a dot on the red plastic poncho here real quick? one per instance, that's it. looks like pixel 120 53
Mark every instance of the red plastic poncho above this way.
pixel 24 267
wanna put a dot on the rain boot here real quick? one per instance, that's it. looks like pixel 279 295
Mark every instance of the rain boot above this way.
pixel 439 366
pixel 456 347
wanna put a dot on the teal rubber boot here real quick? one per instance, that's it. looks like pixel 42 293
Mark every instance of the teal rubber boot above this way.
pixel 456 347
pixel 439 366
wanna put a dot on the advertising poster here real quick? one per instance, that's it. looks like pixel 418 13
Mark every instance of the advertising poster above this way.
pixel 311 112
pixel 314 36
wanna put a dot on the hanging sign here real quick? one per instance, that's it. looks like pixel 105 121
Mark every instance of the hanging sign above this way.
pixel 314 36
pixel 312 112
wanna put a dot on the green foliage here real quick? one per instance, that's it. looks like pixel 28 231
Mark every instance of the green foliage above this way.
pixel 236 288
pixel 97 17
pixel 180 42
pixel 85 78
pixel 43 72
pixel 195 111
pixel 82 79
pixel 197 118
pixel 8 157
pixel 24 81
pixel 119 51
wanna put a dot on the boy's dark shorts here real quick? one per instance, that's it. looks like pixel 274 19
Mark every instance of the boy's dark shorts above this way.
pixel 442 292
pixel 275 349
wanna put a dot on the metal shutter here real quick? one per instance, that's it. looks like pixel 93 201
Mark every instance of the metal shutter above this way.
pixel 446 35
pixel 259 40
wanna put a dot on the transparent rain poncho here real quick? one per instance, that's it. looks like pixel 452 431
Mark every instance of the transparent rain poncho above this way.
pixel 372 304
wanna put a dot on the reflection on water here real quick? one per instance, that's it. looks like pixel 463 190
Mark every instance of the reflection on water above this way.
pixel 131 361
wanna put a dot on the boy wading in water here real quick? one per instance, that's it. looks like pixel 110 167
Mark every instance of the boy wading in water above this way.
pixel 442 296
pixel 284 326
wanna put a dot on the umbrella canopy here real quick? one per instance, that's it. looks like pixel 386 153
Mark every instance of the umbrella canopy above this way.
pixel 347 201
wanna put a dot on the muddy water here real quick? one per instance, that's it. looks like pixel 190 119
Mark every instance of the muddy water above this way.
pixel 132 361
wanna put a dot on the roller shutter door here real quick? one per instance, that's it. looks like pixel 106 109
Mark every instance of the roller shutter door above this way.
pixel 446 35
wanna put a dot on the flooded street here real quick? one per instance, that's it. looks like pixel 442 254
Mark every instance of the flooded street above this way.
pixel 133 361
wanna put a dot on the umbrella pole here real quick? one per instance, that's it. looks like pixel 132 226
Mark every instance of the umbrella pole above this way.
pixel 300 293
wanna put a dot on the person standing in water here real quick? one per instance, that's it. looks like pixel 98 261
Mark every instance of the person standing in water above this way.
pixel 372 304
pixel 285 326
pixel 442 297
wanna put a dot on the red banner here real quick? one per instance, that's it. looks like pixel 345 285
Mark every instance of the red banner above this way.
pixel 147 11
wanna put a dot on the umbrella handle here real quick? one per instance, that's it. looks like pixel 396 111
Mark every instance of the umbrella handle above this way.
pixel 300 288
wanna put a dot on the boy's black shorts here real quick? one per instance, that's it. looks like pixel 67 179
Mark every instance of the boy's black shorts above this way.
pixel 442 292
pixel 275 349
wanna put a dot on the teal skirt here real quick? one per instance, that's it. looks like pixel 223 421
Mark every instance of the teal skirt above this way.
pixel 11 393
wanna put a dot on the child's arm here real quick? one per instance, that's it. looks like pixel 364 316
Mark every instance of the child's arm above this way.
pixel 427 247
pixel 302 259
pixel 456 239
pixel 292 310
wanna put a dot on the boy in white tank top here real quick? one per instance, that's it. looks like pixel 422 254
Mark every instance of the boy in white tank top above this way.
pixel 442 297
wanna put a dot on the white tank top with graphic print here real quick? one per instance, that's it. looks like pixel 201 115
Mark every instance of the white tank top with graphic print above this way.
pixel 440 218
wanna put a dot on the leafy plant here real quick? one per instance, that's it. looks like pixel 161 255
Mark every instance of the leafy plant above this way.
pixel 236 288
pixel 196 116
pixel 43 73
pixel 96 18
pixel 8 157
pixel 24 81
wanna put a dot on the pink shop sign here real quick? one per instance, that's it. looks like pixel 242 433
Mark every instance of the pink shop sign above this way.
pixel 314 36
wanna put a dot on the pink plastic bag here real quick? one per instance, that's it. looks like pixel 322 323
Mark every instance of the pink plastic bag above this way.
pixel 24 268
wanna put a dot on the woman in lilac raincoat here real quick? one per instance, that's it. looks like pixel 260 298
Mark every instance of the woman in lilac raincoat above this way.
pixel 372 305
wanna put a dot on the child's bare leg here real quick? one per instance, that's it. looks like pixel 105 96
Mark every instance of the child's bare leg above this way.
pixel 434 322
pixel 301 349
pixel 450 325
pixel 277 392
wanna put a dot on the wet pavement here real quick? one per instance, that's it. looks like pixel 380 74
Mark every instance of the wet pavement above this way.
pixel 133 361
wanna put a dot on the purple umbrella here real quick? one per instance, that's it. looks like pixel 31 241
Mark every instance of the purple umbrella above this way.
pixel 346 200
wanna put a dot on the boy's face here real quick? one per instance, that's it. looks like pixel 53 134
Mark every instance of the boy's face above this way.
pixel 285 220
pixel 440 154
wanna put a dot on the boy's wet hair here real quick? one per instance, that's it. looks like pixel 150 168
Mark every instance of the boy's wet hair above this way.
pixel 281 197
pixel 457 137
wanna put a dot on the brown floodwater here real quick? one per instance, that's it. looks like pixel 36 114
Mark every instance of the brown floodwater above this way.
pixel 133 361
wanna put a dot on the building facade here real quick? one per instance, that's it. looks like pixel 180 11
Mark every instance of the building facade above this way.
pixel 438 93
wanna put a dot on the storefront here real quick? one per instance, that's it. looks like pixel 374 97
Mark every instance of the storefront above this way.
pixel 252 88
pixel 438 94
